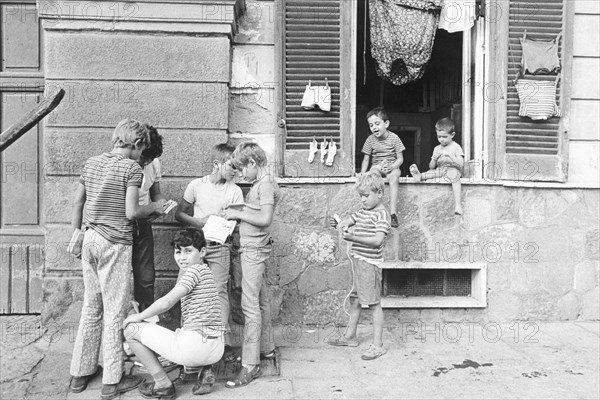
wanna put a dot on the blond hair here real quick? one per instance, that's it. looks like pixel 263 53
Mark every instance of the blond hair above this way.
pixel 130 133
pixel 371 181
pixel 246 151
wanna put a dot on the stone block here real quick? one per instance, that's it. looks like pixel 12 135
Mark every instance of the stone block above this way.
pixel 412 244
pixel 306 206
pixel 292 307
pixel 526 277
pixel 438 212
pixel 503 306
pixel 499 242
pixel 584 124
pixel 59 295
pixel 253 111
pixel 538 305
pixel 343 200
pixel 583 160
pixel 317 248
pixel 86 55
pixel 167 104
pixel 499 275
pixel 56 257
pixel 586 276
pixel 590 310
pixel 286 256
pixel 339 277
pixel 313 280
pixel 569 307
pixel 586 83
pixel 163 252
pixel 478 210
pixel 59 193
pixel 253 66
pixel 532 207
pixel 557 277
pixel 558 202
pixel 408 207
pixel 325 308
pixel 66 150
pixel 592 243
pixel 591 199
pixel 257 25
pixel 391 245
pixel 506 205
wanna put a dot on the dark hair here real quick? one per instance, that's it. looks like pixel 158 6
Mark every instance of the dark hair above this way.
pixel 445 124
pixel 155 149
pixel 222 152
pixel 189 237
pixel 380 112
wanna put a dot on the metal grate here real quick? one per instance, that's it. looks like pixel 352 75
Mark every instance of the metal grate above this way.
pixel 426 282
pixel 312 47
pixel 543 20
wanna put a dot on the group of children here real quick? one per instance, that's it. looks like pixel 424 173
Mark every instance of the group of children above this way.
pixel 117 200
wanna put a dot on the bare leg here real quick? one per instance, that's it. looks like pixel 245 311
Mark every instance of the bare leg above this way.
pixel 377 324
pixel 394 186
pixel 354 317
pixel 454 176
pixel 133 333
pixel 414 171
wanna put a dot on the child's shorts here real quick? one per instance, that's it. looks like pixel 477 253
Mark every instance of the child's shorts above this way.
pixel 378 169
pixel 367 282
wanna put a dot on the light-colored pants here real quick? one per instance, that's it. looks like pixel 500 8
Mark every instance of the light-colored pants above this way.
pixel 258 332
pixel 218 259
pixel 189 348
pixel 108 281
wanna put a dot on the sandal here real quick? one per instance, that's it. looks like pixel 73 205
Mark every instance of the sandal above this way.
pixel 206 380
pixel 343 341
pixel 244 377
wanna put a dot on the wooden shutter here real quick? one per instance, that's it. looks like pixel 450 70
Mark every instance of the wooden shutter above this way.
pixel 534 150
pixel 316 44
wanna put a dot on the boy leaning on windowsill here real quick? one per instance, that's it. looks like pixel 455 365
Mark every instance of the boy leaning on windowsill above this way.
pixel 370 229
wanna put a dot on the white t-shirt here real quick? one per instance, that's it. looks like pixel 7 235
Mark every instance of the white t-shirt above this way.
pixel 210 199
pixel 152 174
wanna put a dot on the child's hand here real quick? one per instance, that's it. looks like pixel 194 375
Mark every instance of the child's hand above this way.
pixel 229 213
pixel 347 235
pixel 133 318
pixel 386 168
pixel 332 222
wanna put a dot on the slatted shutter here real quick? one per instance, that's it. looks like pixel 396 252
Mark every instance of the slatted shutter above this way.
pixel 316 45
pixel 535 150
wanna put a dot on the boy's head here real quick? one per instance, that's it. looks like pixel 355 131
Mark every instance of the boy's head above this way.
pixel 378 122
pixel 189 247
pixel 132 136
pixel 370 188
pixel 155 149
pixel 221 161
pixel 248 157
pixel 444 130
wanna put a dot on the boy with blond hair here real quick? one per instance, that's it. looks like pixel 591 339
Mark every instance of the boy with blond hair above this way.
pixel 255 239
pixel 383 149
pixel 207 196
pixel 108 190
pixel 370 229
pixel 447 161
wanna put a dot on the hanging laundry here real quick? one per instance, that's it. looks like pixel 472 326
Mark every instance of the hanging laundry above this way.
pixel 540 56
pixel 317 96
pixel 537 98
pixel 457 15
pixel 402 33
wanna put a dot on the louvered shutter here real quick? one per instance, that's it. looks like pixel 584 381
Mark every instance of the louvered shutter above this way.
pixel 316 45
pixel 534 150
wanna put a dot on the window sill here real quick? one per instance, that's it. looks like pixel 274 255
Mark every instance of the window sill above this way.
pixel 431 302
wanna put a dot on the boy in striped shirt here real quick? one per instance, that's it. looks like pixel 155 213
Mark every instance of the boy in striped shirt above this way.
pixel 370 229
pixel 383 149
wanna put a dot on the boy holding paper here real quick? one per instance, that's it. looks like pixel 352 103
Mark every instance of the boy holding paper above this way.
pixel 208 196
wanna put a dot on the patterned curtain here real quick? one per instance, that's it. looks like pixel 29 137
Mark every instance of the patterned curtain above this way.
pixel 402 33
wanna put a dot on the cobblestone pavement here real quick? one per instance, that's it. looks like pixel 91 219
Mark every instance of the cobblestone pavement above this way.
pixel 525 360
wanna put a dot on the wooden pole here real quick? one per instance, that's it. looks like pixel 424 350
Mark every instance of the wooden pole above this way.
pixel 18 129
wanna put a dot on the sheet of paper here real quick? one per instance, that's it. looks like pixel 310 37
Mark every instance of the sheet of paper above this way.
pixel 217 229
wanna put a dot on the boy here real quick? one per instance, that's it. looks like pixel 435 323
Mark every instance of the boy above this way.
pixel 370 229
pixel 386 149
pixel 109 190
pixel 199 342
pixel 255 239
pixel 208 196
pixel 447 161
pixel 143 239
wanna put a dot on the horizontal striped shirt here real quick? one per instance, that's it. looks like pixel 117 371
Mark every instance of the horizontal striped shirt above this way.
pixel 200 307
pixel 367 223
pixel 381 150
pixel 106 178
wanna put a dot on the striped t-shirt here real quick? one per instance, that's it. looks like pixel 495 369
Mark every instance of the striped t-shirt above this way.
pixel 367 223
pixel 106 178
pixel 381 150
pixel 200 307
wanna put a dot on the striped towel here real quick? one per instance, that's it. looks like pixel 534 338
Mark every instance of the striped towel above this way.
pixel 538 99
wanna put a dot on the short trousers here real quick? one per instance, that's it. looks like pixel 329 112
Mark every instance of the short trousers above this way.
pixel 367 282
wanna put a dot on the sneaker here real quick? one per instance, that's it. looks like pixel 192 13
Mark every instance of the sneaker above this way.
pixel 126 384
pixel 206 381
pixel 343 341
pixel 79 383
pixel 149 391
pixel 373 352
pixel 394 221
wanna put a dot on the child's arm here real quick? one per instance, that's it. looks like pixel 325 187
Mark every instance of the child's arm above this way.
pixel 80 197
pixel 365 163
pixel 184 214
pixel 371 241
pixel 155 193
pixel 346 222
pixel 133 210
pixel 261 218
pixel 160 306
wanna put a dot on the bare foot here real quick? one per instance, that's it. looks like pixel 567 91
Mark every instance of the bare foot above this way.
pixel 414 171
